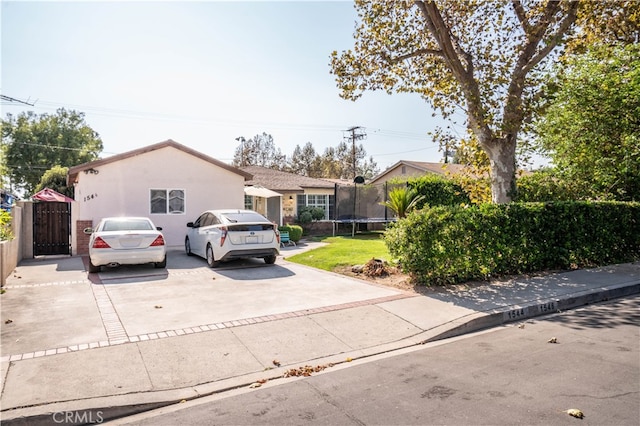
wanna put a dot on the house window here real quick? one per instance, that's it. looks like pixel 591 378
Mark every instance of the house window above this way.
pixel 248 202
pixel 167 201
pixel 404 170
pixel 323 201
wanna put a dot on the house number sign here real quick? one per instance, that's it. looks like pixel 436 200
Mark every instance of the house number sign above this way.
pixel 90 197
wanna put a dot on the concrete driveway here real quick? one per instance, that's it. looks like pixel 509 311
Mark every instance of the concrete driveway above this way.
pixel 54 302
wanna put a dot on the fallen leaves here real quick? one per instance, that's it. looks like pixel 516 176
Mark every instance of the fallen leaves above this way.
pixel 305 371
pixel 574 412
pixel 9 321
pixel 158 307
pixel 552 340
pixel 276 362
pixel 258 383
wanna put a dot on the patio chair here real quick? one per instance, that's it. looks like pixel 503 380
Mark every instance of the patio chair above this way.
pixel 284 239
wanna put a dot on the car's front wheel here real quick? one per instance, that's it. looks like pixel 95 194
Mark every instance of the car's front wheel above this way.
pixel 93 268
pixel 187 247
pixel 211 260
pixel 270 260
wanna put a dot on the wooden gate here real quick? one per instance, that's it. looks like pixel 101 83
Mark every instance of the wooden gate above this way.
pixel 51 228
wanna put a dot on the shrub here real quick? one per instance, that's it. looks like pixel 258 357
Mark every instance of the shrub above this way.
pixel 438 191
pixel 402 200
pixel 295 231
pixel 5 226
pixel 454 244
pixel 307 214
pixel 544 186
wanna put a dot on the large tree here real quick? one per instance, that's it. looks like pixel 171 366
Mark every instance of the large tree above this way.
pixel 35 143
pixel 260 150
pixel 55 178
pixel 305 161
pixel 487 58
pixel 591 127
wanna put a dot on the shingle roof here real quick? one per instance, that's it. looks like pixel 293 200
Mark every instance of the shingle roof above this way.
pixel 73 171
pixel 283 181
pixel 437 168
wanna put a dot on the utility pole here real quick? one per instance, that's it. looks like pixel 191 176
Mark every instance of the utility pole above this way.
pixel 353 137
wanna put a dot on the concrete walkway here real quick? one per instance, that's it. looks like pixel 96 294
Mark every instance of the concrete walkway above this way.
pixel 134 339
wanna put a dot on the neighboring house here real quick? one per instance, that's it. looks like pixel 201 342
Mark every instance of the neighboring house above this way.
pixel 408 169
pixel 296 191
pixel 167 182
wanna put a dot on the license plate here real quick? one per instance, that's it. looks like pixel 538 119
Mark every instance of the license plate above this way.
pixel 251 240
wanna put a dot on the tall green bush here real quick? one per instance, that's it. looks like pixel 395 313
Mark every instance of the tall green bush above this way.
pixel 295 231
pixel 544 186
pixel 438 191
pixel 454 244
pixel 5 226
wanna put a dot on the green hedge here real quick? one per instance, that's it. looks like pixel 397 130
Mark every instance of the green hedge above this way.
pixel 454 244
pixel 438 191
pixel 295 232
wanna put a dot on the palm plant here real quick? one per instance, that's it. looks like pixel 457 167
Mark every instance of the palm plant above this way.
pixel 402 200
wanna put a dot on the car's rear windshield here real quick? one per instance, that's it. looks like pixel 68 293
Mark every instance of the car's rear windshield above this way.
pixel 127 225
pixel 244 217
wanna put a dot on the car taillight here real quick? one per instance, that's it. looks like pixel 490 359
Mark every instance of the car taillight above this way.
pixel 223 235
pixel 100 243
pixel 159 241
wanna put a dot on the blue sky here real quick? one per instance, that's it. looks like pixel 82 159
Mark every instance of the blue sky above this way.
pixel 202 73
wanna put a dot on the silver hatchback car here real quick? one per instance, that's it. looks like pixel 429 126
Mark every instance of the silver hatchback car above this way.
pixel 221 235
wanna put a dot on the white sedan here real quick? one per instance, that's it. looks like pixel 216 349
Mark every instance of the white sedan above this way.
pixel 126 241
pixel 221 235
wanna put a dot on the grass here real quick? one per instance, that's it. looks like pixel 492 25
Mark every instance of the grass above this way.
pixel 344 251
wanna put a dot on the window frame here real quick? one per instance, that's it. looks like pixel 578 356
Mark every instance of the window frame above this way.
pixel 169 209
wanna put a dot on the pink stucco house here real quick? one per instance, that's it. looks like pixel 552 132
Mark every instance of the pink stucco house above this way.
pixel 168 182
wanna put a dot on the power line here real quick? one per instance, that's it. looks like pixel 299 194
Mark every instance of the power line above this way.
pixel 10 99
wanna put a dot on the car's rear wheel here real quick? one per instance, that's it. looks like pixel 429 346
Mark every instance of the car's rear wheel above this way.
pixel 187 246
pixel 162 264
pixel 269 260
pixel 211 260
pixel 93 268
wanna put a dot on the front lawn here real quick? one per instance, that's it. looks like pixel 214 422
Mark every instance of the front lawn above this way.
pixel 344 251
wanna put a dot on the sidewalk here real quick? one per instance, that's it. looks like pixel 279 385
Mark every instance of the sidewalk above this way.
pixel 149 370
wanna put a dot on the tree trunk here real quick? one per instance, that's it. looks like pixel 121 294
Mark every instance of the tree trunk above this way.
pixel 502 160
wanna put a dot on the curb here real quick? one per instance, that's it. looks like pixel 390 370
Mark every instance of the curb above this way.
pixel 515 313
pixel 103 409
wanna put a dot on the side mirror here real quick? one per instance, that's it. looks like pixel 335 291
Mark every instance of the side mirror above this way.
pixel 88 231
pixel 189 224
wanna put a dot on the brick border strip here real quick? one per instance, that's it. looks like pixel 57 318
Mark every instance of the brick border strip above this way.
pixel 202 328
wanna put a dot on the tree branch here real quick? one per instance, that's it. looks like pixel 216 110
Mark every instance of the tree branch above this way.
pixel 554 39
pixel 463 75
pixel 418 52
pixel 528 59
pixel 522 15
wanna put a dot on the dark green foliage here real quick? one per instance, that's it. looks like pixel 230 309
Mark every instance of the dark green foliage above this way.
pixel 36 143
pixel 454 244
pixel 438 191
pixel 544 186
pixel 55 178
pixel 307 214
pixel 591 127
pixel 295 231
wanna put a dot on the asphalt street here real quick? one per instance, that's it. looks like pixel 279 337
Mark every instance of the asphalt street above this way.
pixel 509 375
